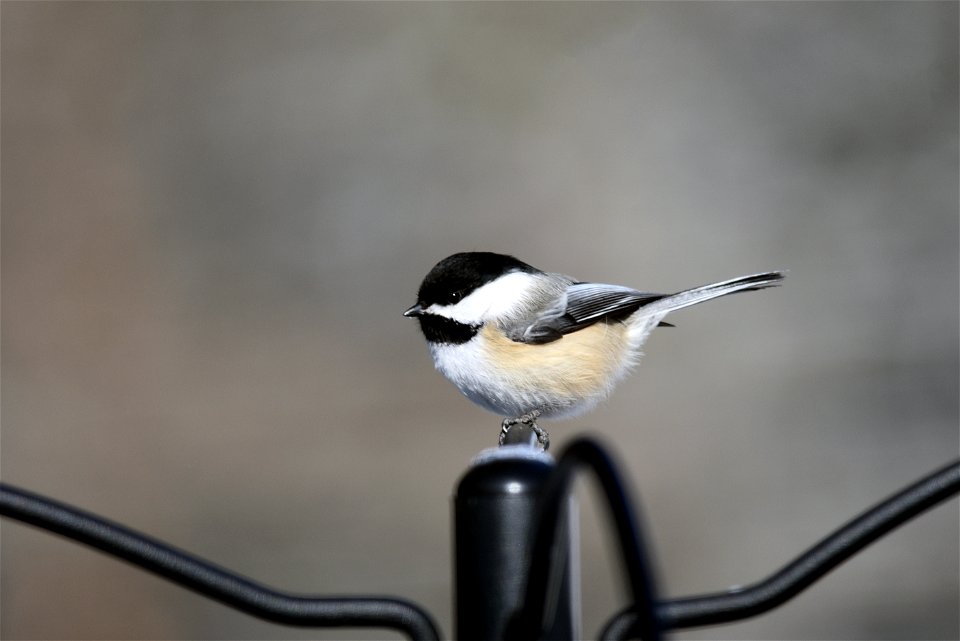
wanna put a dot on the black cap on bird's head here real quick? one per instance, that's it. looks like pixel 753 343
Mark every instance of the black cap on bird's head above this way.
pixel 450 281
pixel 456 276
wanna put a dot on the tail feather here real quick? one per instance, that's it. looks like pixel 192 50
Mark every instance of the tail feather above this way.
pixel 686 298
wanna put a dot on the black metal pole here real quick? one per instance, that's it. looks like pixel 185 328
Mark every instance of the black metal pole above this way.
pixel 495 516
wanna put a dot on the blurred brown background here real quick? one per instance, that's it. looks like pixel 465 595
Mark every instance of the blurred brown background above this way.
pixel 215 213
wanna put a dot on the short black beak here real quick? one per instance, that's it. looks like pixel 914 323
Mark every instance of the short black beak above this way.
pixel 416 310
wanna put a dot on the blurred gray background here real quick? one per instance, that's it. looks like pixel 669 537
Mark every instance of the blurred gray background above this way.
pixel 215 213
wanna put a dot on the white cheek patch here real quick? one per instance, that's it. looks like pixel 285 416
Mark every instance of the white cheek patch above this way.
pixel 496 299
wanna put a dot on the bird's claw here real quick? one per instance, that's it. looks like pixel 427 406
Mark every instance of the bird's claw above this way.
pixel 530 420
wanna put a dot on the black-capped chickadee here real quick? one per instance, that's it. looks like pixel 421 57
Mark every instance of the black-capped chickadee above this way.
pixel 525 344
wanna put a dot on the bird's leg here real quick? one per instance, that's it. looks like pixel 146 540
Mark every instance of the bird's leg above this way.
pixel 505 429
pixel 543 438
pixel 530 420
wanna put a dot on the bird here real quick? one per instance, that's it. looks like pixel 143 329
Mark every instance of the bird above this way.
pixel 528 344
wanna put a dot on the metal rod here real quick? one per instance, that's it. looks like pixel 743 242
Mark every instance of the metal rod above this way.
pixel 538 603
pixel 210 580
pixel 724 607
pixel 500 502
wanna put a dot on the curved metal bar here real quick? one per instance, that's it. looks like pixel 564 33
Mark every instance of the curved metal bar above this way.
pixel 724 607
pixel 533 618
pixel 644 621
pixel 210 580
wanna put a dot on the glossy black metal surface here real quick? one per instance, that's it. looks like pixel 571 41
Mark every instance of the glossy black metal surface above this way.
pixel 513 556
pixel 495 509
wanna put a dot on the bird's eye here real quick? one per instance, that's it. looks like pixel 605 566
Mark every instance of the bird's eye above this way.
pixel 455 296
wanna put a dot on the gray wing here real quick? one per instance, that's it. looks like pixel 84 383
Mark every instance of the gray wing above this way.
pixel 586 304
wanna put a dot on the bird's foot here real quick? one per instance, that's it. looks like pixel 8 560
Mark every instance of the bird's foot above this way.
pixel 529 420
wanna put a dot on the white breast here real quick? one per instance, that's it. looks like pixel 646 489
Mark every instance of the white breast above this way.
pixel 467 366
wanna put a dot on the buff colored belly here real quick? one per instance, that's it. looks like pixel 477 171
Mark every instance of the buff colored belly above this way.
pixel 580 367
